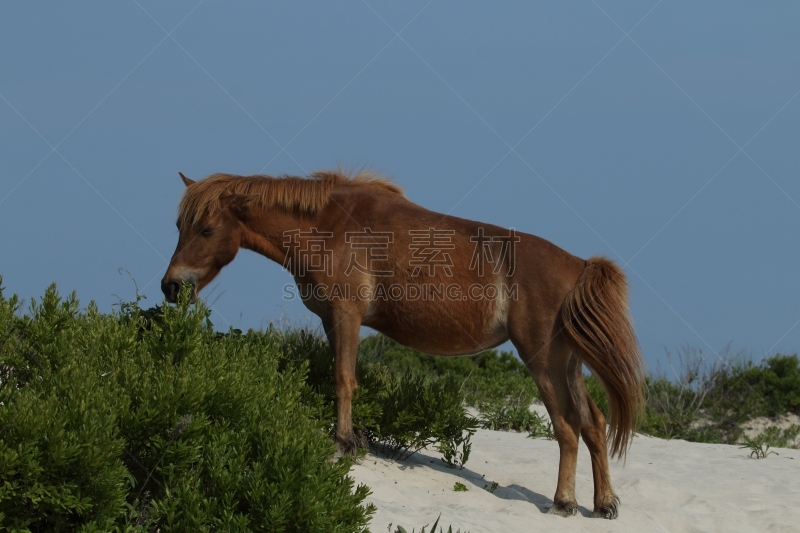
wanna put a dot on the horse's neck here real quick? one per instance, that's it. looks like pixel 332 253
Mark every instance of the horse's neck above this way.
pixel 268 233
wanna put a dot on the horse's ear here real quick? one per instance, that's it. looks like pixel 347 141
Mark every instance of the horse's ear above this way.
pixel 239 204
pixel 186 180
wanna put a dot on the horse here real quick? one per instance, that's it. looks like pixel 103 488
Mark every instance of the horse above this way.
pixel 361 253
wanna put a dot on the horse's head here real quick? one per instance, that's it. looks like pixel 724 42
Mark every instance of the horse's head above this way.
pixel 206 243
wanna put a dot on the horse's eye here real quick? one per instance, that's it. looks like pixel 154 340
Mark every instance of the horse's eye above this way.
pixel 207 231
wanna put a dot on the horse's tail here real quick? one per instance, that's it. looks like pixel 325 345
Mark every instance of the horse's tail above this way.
pixel 598 326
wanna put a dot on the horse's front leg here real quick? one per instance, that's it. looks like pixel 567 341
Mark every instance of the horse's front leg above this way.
pixel 343 329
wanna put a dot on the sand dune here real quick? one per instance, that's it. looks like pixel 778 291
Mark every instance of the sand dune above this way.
pixel 665 486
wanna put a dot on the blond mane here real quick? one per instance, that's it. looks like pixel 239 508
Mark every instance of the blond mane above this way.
pixel 291 193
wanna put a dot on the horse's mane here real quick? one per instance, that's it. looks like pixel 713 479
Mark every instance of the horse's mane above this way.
pixel 291 193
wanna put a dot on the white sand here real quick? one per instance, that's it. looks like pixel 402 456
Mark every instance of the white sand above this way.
pixel 666 486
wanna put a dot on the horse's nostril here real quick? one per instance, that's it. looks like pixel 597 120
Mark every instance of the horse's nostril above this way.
pixel 170 290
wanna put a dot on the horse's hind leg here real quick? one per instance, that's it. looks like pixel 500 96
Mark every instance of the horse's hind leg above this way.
pixel 342 328
pixel 593 430
pixel 549 365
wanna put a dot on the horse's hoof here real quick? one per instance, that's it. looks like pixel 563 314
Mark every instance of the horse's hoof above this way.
pixel 564 509
pixel 350 444
pixel 345 447
pixel 609 511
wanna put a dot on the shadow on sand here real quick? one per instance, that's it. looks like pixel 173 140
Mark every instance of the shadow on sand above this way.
pixel 508 492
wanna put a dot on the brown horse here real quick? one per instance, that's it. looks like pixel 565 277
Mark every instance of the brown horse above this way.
pixel 363 254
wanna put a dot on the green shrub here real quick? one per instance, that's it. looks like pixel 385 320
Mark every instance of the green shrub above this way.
pixel 507 417
pixel 60 450
pixel 114 423
pixel 487 377
pixel 598 394
pixel 780 438
pixel 780 384
pixel 400 412
pixel 710 403
pixel 670 408
pixel 417 413
pixel 499 385
pixel 741 391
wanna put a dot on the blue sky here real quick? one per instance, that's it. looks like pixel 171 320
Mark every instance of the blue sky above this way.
pixel 661 134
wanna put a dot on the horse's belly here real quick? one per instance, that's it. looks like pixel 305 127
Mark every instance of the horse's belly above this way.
pixel 440 333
